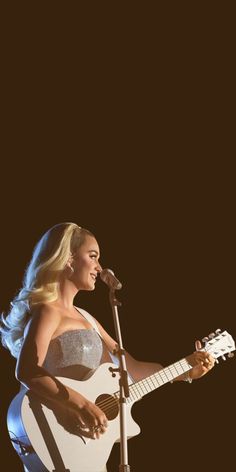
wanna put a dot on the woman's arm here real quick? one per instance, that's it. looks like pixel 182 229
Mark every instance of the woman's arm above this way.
pixel 138 370
pixel 202 362
pixel 29 367
pixel 30 371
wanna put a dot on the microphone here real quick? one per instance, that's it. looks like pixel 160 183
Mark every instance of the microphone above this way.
pixel 109 278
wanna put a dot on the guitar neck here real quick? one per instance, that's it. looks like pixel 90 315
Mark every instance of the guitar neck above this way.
pixel 138 389
pixel 218 344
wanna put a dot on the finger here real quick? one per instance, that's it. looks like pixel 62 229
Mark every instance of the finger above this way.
pixel 203 356
pixel 199 357
pixel 96 431
pixel 212 359
pixel 208 359
pixel 198 345
pixel 207 365
pixel 205 362
pixel 103 429
pixel 80 423
pixel 102 420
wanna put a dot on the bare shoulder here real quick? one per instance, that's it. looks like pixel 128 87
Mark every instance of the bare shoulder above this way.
pixel 44 316
pixel 43 322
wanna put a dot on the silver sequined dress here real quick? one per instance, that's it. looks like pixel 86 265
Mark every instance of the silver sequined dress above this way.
pixel 74 354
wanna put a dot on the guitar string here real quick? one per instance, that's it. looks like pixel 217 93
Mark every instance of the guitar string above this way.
pixel 145 383
pixel 143 387
pixel 112 401
pixel 136 388
pixel 114 398
pixel 109 405
pixel 139 388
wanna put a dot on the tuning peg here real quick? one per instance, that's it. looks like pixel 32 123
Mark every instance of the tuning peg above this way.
pixel 211 335
pixel 204 340
pixel 231 354
pixel 223 357
pixel 216 361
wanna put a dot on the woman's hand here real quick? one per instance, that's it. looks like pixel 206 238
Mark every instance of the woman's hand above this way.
pixel 91 421
pixel 81 416
pixel 201 361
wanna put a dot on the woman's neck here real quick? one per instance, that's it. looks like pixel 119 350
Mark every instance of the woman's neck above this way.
pixel 66 294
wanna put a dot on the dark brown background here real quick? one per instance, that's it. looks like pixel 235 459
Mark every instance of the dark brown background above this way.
pixel 127 128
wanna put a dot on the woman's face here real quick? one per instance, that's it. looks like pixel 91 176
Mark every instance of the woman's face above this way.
pixel 85 264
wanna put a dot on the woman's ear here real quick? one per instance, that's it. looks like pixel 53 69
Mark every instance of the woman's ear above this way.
pixel 69 263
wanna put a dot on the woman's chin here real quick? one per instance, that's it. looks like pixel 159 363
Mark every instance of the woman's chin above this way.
pixel 89 287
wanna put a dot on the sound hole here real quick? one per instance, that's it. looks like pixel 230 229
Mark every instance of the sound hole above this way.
pixel 109 405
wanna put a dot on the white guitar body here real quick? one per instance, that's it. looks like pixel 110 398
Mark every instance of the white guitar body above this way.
pixel 76 453
pixel 46 443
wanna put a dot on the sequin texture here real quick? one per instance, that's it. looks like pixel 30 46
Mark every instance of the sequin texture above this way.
pixel 80 349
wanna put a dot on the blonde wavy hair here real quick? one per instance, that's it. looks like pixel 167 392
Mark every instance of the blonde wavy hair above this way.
pixel 41 278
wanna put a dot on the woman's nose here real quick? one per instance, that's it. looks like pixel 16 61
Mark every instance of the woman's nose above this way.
pixel 99 267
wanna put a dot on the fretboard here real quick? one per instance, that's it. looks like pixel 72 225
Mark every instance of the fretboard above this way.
pixel 138 389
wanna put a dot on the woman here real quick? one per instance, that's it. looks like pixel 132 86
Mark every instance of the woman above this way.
pixel 51 337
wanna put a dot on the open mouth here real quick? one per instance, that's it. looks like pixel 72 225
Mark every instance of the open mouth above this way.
pixel 93 276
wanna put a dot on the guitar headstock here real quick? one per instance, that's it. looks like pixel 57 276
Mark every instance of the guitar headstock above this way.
pixel 219 344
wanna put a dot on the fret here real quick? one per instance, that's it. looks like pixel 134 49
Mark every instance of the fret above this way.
pixel 168 374
pixel 154 381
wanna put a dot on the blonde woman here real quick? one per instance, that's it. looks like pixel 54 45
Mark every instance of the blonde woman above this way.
pixel 51 337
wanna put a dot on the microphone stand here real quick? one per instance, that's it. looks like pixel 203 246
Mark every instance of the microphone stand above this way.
pixel 123 382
